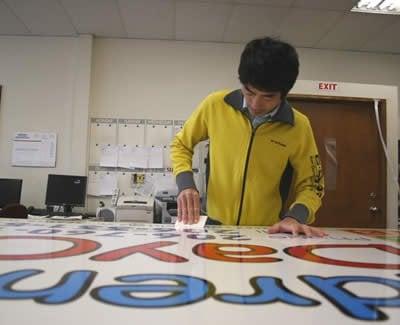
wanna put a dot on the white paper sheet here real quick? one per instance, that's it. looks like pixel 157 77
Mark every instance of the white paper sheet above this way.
pixel 124 155
pixel 102 183
pixel 139 157
pixel 179 225
pixel 36 149
pixel 108 183
pixel 164 181
pixel 156 157
pixel 148 187
pixel 93 186
pixel 108 155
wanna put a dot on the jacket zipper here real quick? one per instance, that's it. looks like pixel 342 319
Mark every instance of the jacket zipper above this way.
pixel 245 174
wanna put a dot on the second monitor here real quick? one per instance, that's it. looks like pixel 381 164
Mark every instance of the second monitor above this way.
pixel 67 191
pixel 10 191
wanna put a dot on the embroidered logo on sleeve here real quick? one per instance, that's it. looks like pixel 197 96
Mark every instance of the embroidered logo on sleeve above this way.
pixel 317 178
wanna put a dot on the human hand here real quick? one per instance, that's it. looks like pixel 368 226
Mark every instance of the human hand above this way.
pixel 189 206
pixel 291 225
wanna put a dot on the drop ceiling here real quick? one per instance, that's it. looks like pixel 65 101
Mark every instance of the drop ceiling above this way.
pixel 323 24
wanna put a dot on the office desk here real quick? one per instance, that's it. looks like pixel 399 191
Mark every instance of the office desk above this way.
pixel 108 273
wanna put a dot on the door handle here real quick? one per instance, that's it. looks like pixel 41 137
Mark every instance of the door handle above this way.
pixel 373 209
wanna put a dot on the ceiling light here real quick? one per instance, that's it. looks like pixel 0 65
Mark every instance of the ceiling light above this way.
pixel 388 7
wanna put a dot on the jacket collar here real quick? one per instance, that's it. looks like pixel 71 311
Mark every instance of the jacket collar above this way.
pixel 285 112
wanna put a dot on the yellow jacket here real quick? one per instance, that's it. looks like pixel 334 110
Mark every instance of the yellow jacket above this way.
pixel 251 171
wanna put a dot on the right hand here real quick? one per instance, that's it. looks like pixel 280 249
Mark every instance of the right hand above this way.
pixel 189 206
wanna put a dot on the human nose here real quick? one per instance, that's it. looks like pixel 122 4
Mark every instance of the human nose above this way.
pixel 256 102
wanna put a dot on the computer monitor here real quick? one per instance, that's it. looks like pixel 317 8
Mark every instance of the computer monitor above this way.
pixel 10 191
pixel 67 191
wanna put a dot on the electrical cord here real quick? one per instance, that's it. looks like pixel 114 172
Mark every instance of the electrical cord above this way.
pixel 391 167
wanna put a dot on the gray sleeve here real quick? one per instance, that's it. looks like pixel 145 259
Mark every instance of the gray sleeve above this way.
pixel 299 212
pixel 184 181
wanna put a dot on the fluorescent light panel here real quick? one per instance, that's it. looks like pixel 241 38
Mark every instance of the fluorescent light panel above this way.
pixel 388 7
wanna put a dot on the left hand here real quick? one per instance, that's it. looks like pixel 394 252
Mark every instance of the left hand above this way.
pixel 291 225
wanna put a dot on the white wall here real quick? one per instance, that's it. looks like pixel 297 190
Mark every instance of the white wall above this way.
pixel 167 79
pixel 47 81
pixel 346 66
pixel 158 79
pixel 45 87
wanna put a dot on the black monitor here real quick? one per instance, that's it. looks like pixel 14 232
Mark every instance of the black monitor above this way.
pixel 10 191
pixel 67 191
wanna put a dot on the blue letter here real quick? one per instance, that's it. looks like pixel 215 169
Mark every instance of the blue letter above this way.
pixel 268 290
pixel 358 307
pixel 186 290
pixel 71 286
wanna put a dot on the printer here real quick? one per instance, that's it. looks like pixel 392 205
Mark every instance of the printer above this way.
pixel 134 209
pixel 165 206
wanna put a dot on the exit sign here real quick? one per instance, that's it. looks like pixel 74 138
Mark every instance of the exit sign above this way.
pixel 328 86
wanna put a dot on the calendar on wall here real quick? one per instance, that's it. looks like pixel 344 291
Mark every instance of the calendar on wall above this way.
pixel 133 156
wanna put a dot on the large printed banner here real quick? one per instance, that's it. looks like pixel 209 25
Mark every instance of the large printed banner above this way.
pixel 110 273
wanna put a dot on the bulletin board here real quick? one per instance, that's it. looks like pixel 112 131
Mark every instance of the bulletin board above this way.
pixel 133 155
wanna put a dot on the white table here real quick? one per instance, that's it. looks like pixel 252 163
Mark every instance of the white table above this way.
pixel 108 273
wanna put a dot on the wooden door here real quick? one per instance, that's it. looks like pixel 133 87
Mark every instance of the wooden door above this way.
pixel 352 160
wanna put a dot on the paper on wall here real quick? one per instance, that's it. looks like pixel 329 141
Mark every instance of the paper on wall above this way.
pixel 36 149
pixel 102 183
pixel 124 155
pixel 139 157
pixel 108 155
pixel 155 157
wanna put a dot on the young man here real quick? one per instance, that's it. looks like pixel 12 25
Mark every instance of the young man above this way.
pixel 259 147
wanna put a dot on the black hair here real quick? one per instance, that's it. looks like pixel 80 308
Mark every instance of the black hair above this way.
pixel 269 64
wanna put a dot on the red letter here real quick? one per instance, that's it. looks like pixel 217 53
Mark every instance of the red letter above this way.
pixel 147 249
pixel 80 246
pixel 216 252
pixel 306 253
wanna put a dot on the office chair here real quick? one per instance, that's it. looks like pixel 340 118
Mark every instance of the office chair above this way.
pixel 17 211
